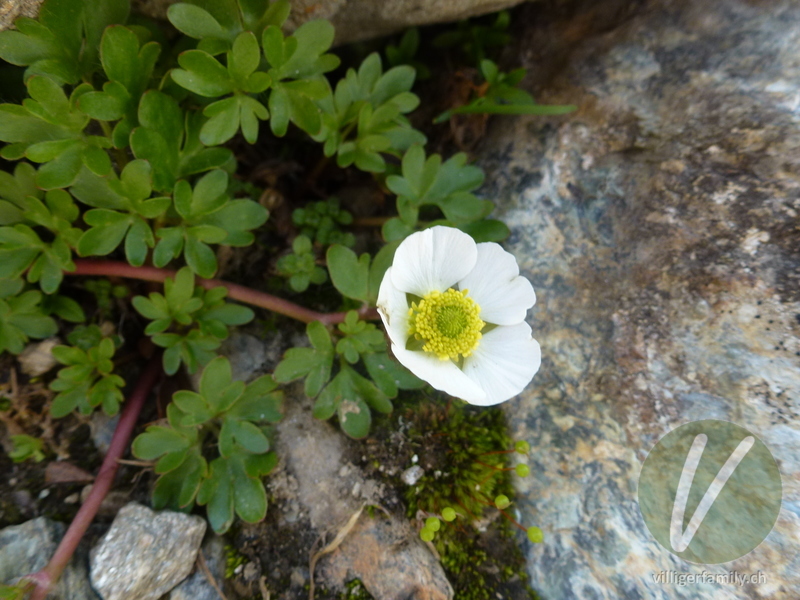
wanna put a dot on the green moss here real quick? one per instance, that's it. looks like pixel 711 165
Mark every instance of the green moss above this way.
pixel 465 452
pixel 233 560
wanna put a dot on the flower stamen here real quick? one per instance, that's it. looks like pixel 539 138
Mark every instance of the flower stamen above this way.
pixel 448 322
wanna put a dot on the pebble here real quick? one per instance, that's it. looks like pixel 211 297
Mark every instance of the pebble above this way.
pixel 412 475
pixel 145 553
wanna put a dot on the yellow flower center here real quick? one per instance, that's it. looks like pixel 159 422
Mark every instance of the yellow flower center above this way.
pixel 447 322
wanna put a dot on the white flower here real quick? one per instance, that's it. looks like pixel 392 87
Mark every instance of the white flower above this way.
pixel 455 313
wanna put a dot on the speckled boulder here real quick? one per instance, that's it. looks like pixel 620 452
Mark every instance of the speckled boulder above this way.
pixel 659 225
pixel 354 19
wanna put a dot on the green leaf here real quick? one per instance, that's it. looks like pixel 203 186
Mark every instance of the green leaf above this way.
pixel 244 57
pixel 380 264
pixel 202 74
pixel 389 375
pixel 159 137
pixel 230 488
pixel 178 488
pixel 487 230
pixel 354 418
pixel 195 22
pixel 62 171
pixel 223 122
pixel 349 273
pixel 313 364
pixel 88 380
pixel 259 402
pixel 21 317
pixel 106 236
pixel 63 43
pixel 66 308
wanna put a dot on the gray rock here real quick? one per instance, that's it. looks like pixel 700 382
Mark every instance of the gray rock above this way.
pixel 103 427
pixel 659 227
pixel 385 554
pixel 389 559
pixel 145 553
pixel 197 586
pixel 354 19
pixel 27 548
pixel 247 355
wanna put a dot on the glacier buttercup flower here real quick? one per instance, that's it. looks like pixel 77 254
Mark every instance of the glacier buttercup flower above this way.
pixel 455 313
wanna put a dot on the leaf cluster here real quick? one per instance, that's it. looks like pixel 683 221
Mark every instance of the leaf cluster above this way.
pixel 499 95
pixel 227 477
pixel 300 266
pixel 364 118
pixel 87 380
pixel 445 185
pixel 474 38
pixel 321 222
pixel 188 321
pixel 22 316
pixel 347 393
pixel 26 447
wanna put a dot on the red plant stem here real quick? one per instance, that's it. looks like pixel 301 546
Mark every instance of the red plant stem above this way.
pixel 493 467
pixel 498 452
pixel 47 577
pixel 111 268
pixel 513 520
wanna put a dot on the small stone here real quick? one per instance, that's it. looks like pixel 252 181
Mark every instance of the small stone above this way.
pixel 102 427
pixel 197 586
pixel 37 359
pixel 145 553
pixel 390 560
pixel 26 549
pixel 412 475
pixel 72 498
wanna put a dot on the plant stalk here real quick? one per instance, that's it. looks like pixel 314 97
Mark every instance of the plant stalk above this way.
pixel 45 579
pixel 110 268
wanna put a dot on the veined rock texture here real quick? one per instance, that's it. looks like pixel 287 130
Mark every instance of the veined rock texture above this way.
pixel 659 225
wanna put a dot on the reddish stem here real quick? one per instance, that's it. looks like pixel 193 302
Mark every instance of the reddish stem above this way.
pixel 513 520
pixel 110 268
pixel 493 467
pixel 45 579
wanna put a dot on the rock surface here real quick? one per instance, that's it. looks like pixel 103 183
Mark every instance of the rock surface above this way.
pixel 659 225
pixel 318 485
pixel 26 549
pixel 197 586
pixel 145 553
pixel 354 19
pixel 389 560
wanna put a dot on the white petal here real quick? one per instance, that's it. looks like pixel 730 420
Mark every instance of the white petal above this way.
pixel 434 259
pixel 496 285
pixel 393 309
pixel 504 362
pixel 444 375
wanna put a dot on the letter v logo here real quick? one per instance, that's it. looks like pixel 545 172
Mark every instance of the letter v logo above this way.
pixel 710 491
pixel 679 539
